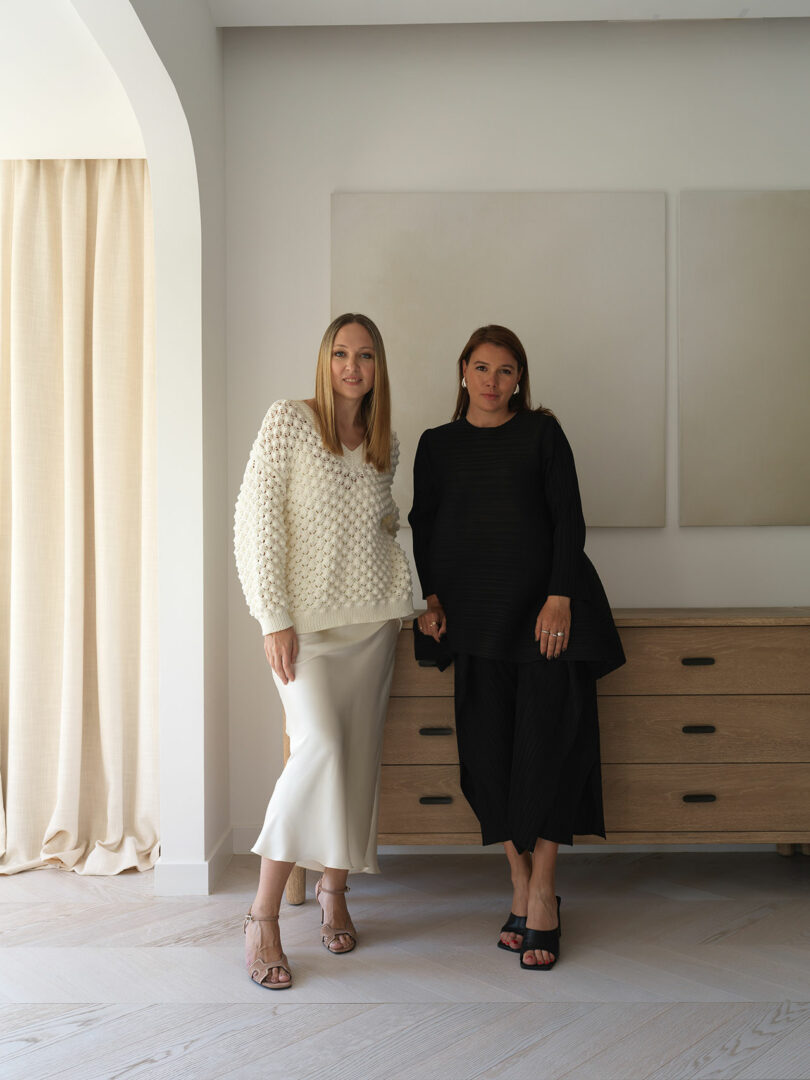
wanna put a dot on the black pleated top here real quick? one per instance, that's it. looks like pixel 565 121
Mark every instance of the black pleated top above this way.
pixel 497 528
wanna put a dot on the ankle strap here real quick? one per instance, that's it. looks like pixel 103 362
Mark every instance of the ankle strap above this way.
pixel 324 889
pixel 263 918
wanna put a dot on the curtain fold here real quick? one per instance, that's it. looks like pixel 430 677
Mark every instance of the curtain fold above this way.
pixel 78 577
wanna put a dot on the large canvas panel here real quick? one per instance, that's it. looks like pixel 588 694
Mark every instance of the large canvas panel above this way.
pixel 744 358
pixel 579 276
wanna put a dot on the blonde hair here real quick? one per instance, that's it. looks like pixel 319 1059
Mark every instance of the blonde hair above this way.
pixel 375 408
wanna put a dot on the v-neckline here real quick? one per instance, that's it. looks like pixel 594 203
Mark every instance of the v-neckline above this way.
pixel 314 420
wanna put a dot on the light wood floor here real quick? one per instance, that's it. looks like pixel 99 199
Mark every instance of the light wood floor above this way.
pixel 673 965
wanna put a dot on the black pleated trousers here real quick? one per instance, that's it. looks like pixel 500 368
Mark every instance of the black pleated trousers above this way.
pixel 528 746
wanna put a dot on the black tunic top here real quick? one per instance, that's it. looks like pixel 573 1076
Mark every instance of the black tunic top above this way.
pixel 497 528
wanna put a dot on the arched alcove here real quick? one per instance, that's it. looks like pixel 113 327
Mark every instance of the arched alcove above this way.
pixel 184 866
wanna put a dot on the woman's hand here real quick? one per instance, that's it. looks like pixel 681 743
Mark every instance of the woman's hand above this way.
pixel 433 622
pixel 281 650
pixel 553 626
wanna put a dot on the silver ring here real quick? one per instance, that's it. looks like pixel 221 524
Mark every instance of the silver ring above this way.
pixel 434 623
pixel 561 634
pixel 545 631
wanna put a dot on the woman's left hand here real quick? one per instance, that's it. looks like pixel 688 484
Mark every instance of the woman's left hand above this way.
pixel 433 622
pixel 553 626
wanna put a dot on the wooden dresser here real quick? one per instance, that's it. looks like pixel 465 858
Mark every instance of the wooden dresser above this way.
pixel 705 735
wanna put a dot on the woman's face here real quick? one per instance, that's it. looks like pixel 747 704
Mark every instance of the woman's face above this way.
pixel 492 374
pixel 352 362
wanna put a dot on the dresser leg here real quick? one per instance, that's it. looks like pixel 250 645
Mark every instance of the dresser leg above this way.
pixel 805 849
pixel 785 849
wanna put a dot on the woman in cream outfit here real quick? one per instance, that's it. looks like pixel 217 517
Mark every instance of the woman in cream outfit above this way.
pixel 316 551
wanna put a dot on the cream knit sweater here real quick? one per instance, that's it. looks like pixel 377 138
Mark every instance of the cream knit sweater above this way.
pixel 314 533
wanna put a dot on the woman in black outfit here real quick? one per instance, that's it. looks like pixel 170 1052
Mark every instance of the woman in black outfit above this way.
pixel 498 538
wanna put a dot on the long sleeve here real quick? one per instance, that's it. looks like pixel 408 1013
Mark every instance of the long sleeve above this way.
pixel 568 523
pixel 260 540
pixel 423 511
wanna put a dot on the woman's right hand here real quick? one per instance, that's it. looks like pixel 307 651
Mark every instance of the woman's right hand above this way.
pixel 281 650
pixel 433 622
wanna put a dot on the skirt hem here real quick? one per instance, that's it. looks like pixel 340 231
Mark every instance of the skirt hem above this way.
pixel 316 864
pixel 520 847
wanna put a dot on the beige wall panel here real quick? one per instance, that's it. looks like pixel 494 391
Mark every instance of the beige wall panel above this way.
pixel 744 358
pixel 580 277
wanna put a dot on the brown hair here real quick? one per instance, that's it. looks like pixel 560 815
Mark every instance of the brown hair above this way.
pixel 375 408
pixel 505 339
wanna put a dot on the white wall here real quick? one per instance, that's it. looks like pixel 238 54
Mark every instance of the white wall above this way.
pixel 59 96
pixel 583 107
pixel 190 46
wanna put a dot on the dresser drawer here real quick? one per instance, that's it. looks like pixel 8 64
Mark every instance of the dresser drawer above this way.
pixel 756 798
pixel 705 728
pixel 411 680
pixel 712 660
pixel 401 811
pixel 420 731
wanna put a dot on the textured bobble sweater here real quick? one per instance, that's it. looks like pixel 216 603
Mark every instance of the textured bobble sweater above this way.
pixel 314 533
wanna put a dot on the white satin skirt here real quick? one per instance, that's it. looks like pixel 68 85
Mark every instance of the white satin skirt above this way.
pixel 323 810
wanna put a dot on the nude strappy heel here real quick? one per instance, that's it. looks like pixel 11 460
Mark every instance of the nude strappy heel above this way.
pixel 329 933
pixel 260 969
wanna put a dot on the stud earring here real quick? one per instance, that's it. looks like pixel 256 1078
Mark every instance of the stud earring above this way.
pixel 463 382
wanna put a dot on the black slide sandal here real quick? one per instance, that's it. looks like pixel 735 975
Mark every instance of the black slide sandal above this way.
pixel 549 940
pixel 515 924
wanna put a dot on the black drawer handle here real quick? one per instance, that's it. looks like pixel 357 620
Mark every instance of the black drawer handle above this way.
pixel 698 729
pixel 435 800
pixel 435 731
pixel 697 661
pixel 700 798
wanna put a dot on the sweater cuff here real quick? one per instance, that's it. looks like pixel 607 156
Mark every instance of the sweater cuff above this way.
pixel 560 585
pixel 272 622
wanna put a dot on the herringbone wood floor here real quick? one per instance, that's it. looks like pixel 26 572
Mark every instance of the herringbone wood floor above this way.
pixel 673 965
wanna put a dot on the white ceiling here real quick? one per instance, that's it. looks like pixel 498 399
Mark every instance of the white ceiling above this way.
pixel 402 12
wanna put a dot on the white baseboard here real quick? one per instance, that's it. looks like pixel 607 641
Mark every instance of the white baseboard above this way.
pixel 194 879
pixel 181 879
pixel 219 858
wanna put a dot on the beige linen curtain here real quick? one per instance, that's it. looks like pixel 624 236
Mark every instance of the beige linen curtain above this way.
pixel 78 648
